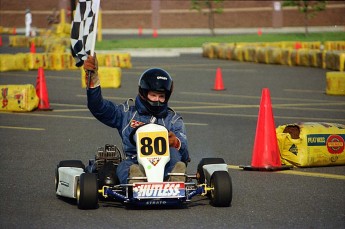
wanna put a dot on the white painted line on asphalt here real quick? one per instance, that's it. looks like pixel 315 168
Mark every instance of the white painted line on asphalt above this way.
pixel 300 173
pixel 21 128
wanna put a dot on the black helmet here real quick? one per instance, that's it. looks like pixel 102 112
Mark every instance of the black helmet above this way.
pixel 155 79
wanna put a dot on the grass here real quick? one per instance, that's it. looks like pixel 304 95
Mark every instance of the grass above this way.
pixel 197 41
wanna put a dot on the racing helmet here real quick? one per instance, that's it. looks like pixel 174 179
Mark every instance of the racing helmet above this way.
pixel 158 80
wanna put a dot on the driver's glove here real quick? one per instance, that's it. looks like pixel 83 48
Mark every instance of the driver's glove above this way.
pixel 174 141
pixel 91 66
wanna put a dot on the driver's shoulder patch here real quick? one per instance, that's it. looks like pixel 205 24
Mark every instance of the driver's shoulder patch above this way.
pixel 135 123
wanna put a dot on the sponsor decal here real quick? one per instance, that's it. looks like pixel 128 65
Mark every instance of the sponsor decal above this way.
pixel 317 139
pixel 154 161
pixel 162 78
pixel 64 183
pixel 4 93
pixel 293 149
pixel 156 202
pixel 159 190
pixel 335 144
pixel 135 124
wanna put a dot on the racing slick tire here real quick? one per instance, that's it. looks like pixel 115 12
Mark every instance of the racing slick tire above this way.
pixel 221 193
pixel 67 163
pixel 206 161
pixel 87 191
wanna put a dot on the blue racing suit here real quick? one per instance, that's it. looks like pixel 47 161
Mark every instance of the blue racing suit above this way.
pixel 125 118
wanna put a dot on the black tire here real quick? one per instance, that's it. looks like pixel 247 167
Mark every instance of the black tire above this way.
pixel 206 161
pixel 87 191
pixel 221 195
pixel 67 163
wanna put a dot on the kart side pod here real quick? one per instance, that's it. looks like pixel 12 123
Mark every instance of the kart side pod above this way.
pixel 209 169
pixel 67 181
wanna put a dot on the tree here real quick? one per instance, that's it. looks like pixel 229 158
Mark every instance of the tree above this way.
pixel 213 7
pixel 308 8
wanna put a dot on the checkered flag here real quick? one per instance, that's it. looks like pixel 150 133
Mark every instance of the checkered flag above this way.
pixel 84 28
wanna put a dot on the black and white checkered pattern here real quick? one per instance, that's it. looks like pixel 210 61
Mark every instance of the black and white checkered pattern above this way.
pixel 84 28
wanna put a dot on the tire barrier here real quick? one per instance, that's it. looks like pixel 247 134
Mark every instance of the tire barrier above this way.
pixel 13 62
pixel 18 98
pixel 57 61
pixel 312 144
pixel 335 83
pixel 110 77
pixel 330 55
pixel 56 56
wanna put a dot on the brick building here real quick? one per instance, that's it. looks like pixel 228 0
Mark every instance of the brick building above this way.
pixel 175 14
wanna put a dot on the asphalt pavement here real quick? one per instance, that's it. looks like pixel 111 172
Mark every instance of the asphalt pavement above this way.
pixel 220 123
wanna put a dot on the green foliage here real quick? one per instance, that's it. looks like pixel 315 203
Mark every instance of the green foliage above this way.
pixel 213 7
pixel 209 4
pixel 308 8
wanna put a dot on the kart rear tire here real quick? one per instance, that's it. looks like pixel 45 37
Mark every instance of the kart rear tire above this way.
pixel 67 163
pixel 221 194
pixel 87 191
pixel 206 161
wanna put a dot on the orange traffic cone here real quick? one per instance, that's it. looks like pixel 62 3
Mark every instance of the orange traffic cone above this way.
pixel 14 31
pixel 155 33
pixel 42 92
pixel 32 48
pixel 0 41
pixel 298 45
pixel 266 153
pixel 140 31
pixel 218 83
pixel 259 32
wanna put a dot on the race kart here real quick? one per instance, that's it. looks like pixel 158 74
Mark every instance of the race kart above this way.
pixel 99 181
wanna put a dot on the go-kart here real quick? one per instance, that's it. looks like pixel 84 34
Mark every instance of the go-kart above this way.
pixel 99 181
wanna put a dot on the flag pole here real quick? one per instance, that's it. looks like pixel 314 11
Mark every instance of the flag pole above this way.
pixel 93 43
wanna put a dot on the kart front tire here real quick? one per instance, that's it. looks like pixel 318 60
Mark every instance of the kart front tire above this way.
pixel 87 191
pixel 67 163
pixel 206 161
pixel 221 193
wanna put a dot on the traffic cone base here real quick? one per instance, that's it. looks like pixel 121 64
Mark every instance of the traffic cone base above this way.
pixel 265 168
pixel 42 92
pixel 266 153
pixel 218 83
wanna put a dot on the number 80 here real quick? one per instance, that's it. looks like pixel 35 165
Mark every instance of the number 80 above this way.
pixel 159 146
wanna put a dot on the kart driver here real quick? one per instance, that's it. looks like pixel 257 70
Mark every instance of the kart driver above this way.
pixel 151 106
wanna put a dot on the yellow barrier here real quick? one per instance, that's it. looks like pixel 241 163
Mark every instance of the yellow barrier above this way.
pixel 36 60
pixel 334 45
pixel 312 144
pixel 209 50
pixel 13 62
pixel 110 77
pixel 335 83
pixel 122 60
pixel 18 98
pixel 335 60
pixel 288 53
